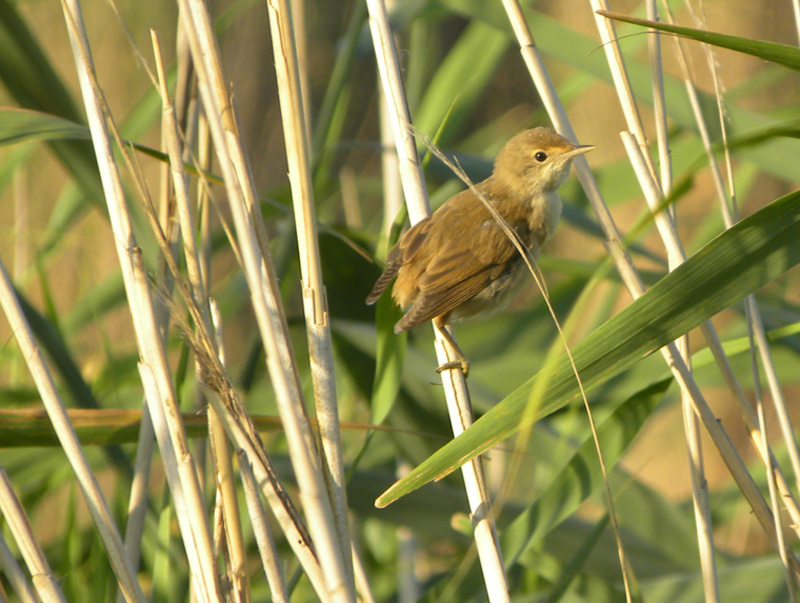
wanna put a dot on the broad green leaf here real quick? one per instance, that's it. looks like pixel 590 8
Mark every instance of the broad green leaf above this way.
pixel 30 78
pixel 788 56
pixel 738 262
pixel 462 77
pixel 389 359
pixel 342 67
pixel 649 515
pixel 576 563
pixel 748 579
pixel 18 125
pixel 582 475
pixel 96 302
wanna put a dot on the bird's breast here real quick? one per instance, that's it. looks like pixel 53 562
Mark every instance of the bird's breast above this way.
pixel 497 294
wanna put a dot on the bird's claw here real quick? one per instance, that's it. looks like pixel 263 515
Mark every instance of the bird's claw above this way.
pixel 455 364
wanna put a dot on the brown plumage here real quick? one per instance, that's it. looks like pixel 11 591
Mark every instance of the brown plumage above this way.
pixel 458 262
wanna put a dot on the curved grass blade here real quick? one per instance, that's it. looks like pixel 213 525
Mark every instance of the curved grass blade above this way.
pixel 17 125
pixel 782 54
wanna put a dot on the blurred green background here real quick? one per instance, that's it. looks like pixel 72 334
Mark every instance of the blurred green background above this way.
pixel 465 81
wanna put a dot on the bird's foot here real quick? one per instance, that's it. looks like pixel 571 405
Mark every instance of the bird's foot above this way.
pixel 462 364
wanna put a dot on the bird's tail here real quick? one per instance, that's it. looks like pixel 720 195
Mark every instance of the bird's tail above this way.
pixel 383 282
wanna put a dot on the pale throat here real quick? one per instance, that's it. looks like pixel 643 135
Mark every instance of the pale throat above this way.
pixel 546 203
pixel 545 213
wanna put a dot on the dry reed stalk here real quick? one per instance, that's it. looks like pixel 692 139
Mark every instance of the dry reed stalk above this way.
pixel 223 465
pixel 154 364
pixel 177 469
pixel 796 12
pixel 628 272
pixel 758 341
pixel 363 588
pixel 390 168
pixel 238 424
pixel 243 431
pixel 691 424
pixel 44 582
pixel 224 482
pixel 138 501
pixel 659 103
pixel 265 296
pixel 315 305
pixel 297 9
pixel 750 419
pixel 676 253
pixel 619 75
pixel 258 519
pixel 230 410
pixel 16 578
pixel 675 256
pixel 455 389
pixel 95 501
pixel 729 214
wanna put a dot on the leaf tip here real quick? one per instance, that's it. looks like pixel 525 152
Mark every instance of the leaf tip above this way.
pixel 385 499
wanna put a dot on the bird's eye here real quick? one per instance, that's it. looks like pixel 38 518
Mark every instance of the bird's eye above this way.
pixel 540 156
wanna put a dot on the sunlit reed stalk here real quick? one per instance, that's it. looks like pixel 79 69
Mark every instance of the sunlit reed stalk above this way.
pixel 655 192
pixel 734 461
pixel 138 501
pixel 632 279
pixel 363 588
pixel 265 296
pixel 297 9
pixel 407 584
pixel 44 582
pixel 225 485
pixel 240 428
pixel 708 329
pixel 667 230
pixel 454 385
pixel 755 326
pixel 796 13
pixel 315 305
pixel 222 465
pixel 154 367
pixel 95 501
pixel 390 169
pixel 14 574
pixel 270 562
pixel 659 102
pixel 235 420
pixel 624 90
pixel 619 75
pixel 728 213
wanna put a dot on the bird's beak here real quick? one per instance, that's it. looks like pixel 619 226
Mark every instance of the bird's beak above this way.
pixel 578 150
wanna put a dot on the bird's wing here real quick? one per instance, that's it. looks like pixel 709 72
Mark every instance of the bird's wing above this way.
pixel 433 302
pixel 401 253
pixel 470 254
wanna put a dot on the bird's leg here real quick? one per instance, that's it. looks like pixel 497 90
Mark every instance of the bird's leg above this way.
pixel 463 363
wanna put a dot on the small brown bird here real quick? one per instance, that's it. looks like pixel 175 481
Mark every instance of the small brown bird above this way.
pixel 458 262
